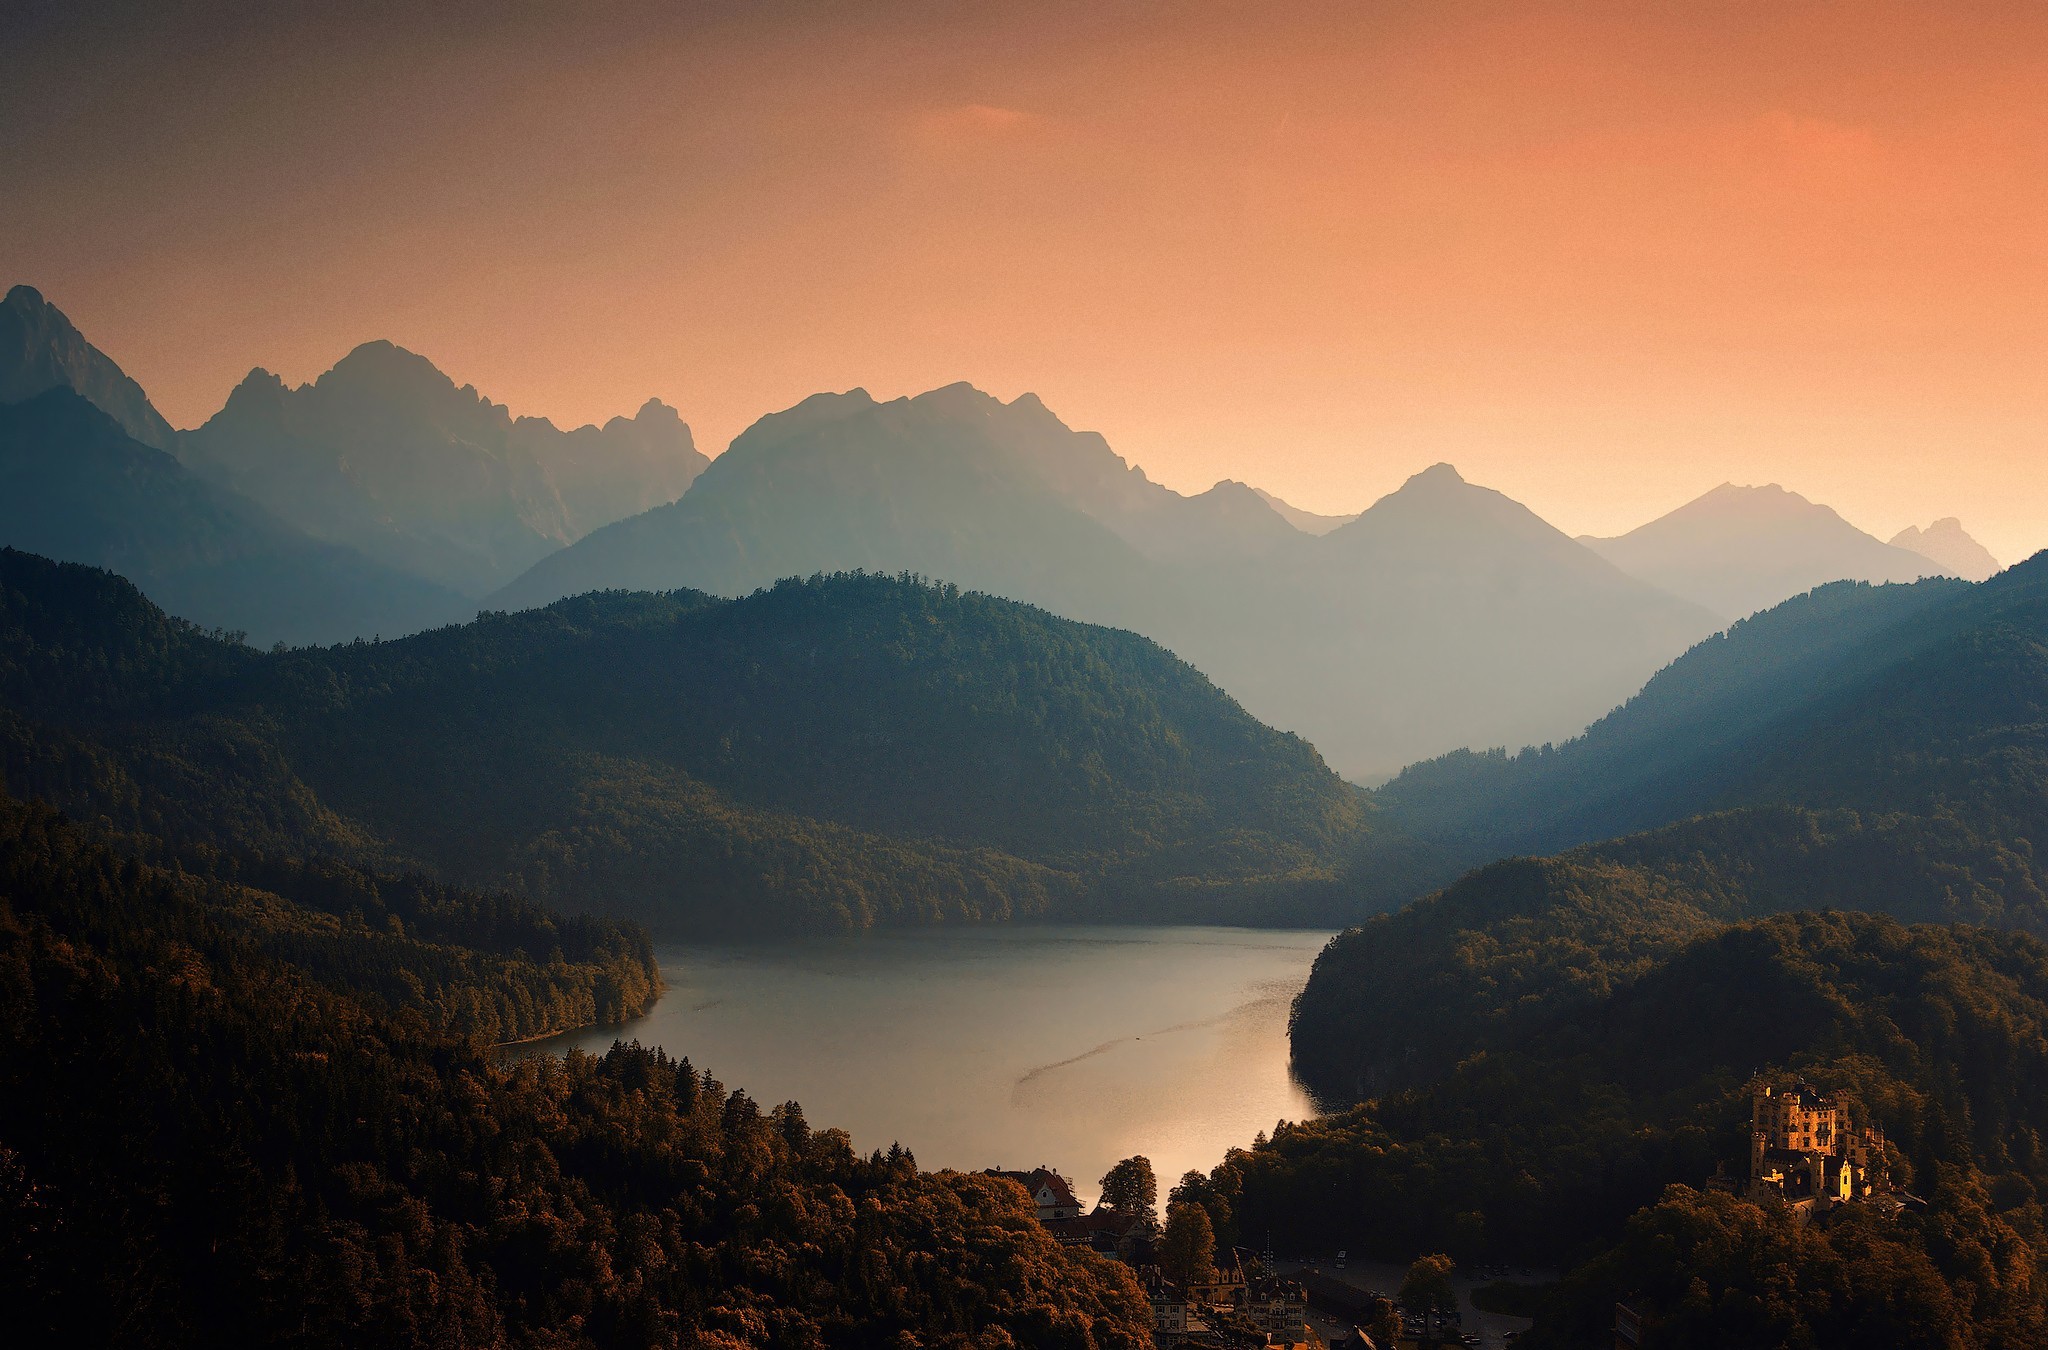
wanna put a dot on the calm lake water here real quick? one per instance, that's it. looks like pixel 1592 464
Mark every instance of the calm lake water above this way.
pixel 1009 1047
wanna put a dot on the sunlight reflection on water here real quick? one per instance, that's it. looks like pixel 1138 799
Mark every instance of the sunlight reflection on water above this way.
pixel 1007 1047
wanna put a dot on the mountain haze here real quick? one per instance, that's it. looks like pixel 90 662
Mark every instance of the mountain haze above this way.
pixel 1308 522
pixel 75 486
pixel 1949 546
pixel 386 453
pixel 1854 697
pixel 1738 550
pixel 41 350
pixel 1447 615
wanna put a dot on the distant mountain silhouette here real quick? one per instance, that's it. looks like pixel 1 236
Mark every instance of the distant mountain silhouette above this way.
pixel 1738 550
pixel 1308 522
pixel 617 470
pixel 1698 726
pixel 40 349
pixel 1445 616
pixel 1945 542
pixel 386 453
pixel 76 487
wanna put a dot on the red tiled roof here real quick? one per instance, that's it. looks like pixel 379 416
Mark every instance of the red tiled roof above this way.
pixel 1039 1178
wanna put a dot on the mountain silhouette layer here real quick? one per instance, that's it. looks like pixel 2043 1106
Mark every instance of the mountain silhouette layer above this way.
pixel 1738 550
pixel 1308 522
pixel 386 453
pixel 75 486
pixel 1862 748
pixel 1952 549
pixel 41 350
pixel 1446 615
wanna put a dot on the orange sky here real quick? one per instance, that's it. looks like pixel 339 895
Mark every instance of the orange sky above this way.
pixel 1600 256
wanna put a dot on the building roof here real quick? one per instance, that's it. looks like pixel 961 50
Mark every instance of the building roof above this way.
pixel 1085 1227
pixel 1042 1178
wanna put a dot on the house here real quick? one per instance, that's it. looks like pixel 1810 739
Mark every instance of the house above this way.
pixel 1053 1193
pixel 1275 1306
pixel 1225 1285
pixel 1169 1306
pixel 1106 1232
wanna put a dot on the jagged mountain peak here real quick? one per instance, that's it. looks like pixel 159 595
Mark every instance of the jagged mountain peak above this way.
pixel 1440 474
pixel 41 349
pixel 383 373
pixel 386 452
pixel 1948 544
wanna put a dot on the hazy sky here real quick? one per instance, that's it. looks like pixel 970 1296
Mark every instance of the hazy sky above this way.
pixel 1601 256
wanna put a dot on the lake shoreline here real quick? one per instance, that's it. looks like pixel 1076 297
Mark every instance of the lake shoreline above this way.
pixel 996 1045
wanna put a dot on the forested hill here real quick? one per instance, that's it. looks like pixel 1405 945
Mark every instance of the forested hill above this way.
pixel 1910 779
pixel 216 1128
pixel 1721 727
pixel 830 753
pixel 1543 1046
pixel 1589 1133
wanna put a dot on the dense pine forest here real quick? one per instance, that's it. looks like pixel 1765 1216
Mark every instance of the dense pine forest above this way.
pixel 1552 1052
pixel 230 1117
pixel 1590 1131
pixel 826 754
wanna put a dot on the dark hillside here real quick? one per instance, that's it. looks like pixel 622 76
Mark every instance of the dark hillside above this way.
pixel 836 752
pixel 216 1130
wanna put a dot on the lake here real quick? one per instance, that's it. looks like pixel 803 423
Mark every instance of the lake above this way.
pixel 1001 1046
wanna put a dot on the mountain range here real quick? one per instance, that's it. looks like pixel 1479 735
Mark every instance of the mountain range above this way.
pixel 380 499
pixel 386 453
pixel 1738 550
pixel 74 484
pixel 1869 748
pixel 1445 615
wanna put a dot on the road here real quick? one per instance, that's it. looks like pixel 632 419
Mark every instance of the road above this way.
pixel 1384 1277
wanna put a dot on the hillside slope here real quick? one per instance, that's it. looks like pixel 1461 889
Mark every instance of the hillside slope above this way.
pixel 1692 739
pixel 834 753
pixel 218 1129
pixel 41 350
pixel 1910 778
pixel 75 486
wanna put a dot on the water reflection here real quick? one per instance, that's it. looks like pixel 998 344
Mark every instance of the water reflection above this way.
pixel 1002 1046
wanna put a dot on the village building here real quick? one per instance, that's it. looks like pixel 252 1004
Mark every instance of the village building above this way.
pixel 1053 1193
pixel 1275 1306
pixel 1225 1285
pixel 1127 1238
pixel 1169 1306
